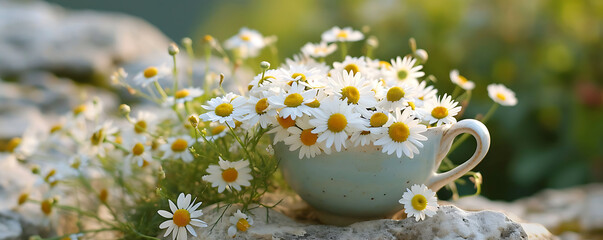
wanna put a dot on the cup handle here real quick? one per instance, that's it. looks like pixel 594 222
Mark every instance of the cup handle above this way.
pixel 482 136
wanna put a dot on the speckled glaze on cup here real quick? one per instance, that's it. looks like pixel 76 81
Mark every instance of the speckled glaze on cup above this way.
pixel 364 183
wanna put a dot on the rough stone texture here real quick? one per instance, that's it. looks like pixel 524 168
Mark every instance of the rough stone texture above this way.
pixel 35 35
pixel 449 223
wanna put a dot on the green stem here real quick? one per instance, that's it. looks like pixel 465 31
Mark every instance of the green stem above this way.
pixel 175 75
pixel 344 50
pixel 160 89
pixel 456 92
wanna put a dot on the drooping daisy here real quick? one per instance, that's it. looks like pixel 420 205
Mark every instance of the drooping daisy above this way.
pixel 139 153
pixel 305 140
pixel 403 135
pixel 461 81
pixel 353 89
pixel 184 216
pixel 419 201
pixel 240 222
pixel 441 110
pixel 151 74
pixel 185 95
pixel 224 109
pixel 337 34
pixel 397 96
pixel 335 121
pixel 318 50
pixel 259 110
pixel 293 102
pixel 404 70
pixel 280 130
pixel 177 148
pixel 229 174
pixel 247 43
pixel 502 95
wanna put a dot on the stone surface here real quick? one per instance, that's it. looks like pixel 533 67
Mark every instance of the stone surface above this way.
pixel 449 223
pixel 35 35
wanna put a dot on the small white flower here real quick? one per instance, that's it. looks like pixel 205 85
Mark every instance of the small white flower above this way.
pixel 397 97
pixel 404 70
pixel 306 141
pixel 224 109
pixel 89 110
pixel 424 93
pixel 247 43
pixel 335 121
pixel 440 111
pixel 184 216
pixel 139 153
pixel 229 174
pixel 301 74
pixel 240 222
pixel 352 88
pixel 354 65
pixel 96 142
pixel 502 95
pixel 145 122
pixel 321 49
pixel 185 95
pixel 337 34
pixel 177 148
pixel 419 201
pixel 216 131
pixel 294 102
pixel 461 81
pixel 151 74
pixel 259 110
pixel 403 135
pixel 280 130
pixel 377 119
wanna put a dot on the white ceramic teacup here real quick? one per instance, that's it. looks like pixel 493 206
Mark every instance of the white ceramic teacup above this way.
pixel 364 183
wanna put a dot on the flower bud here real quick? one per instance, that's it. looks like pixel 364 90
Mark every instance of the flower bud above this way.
pixel 372 41
pixel 124 109
pixel 173 49
pixel 23 198
pixel 264 65
pixel 35 169
pixel 103 195
pixel 187 42
pixel 421 54
pixel 194 120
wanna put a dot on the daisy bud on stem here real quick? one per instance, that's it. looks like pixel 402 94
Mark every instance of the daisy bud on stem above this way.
pixel 421 54
pixel 125 110
pixel 413 44
pixel 221 79
pixel 35 169
pixel 103 195
pixel 173 50
pixel 194 120
pixel 371 44
pixel 264 65
pixel 23 198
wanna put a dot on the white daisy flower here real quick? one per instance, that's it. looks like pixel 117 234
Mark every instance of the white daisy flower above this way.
pixel 145 122
pixel 335 120
pixel 151 74
pixel 337 34
pixel 419 201
pixel 353 89
pixel 397 97
pixel 280 130
pixel 240 222
pixel 229 175
pixel 424 93
pixel 259 110
pixel 224 109
pixel 185 95
pixel 293 102
pixel 502 95
pixel 318 50
pixel 139 153
pixel 89 110
pixel 461 81
pixel 306 141
pixel 404 70
pixel 351 64
pixel 403 135
pixel 96 144
pixel 377 119
pixel 216 131
pixel 441 110
pixel 247 43
pixel 22 147
pixel 184 216
pixel 177 148
pixel 258 85
pixel 301 74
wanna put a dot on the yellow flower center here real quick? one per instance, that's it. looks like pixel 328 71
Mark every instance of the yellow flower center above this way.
pixel 181 94
pixel 307 137
pixel 140 126
pixel 301 76
pixel 337 122
pixel 462 79
pixel 342 34
pixel 285 122
pixel 224 109
pixel 419 202
pixel 402 74
pixel 79 109
pixel 23 198
pixel 245 37
pixel 352 68
pixel 55 128
pixel 150 72
pixel 399 132
pixel 46 206
pixel 351 93
pixel 13 144
pixel 378 119
pixel 313 104
pixel 243 225
pixel 261 106
pixel 97 137
pixel 182 217
pixel 49 175
pixel 385 65
pixel 179 145
pixel 501 96
pixel 76 164
pixel 218 129
pixel 103 195
pixel 412 105
pixel 294 100
pixel 395 94
pixel 230 175
pixel 119 139
pixel 439 112
pixel 138 149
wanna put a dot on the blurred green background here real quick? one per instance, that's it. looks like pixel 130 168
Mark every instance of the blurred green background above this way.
pixel 548 51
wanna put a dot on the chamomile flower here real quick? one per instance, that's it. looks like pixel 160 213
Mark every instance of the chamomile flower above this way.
pixel 151 74
pixel 346 34
pixel 335 120
pixel 404 70
pixel 177 148
pixel 403 135
pixel 419 201
pixel 259 110
pixel 300 74
pixel 183 218
pixel 377 119
pixel 263 82
pixel 397 96
pixel 351 64
pixel 240 222
pixel 318 50
pixel 96 142
pixel 247 43
pixel 306 141
pixel 229 175
pixel 280 130
pixel 139 153
pixel 89 110
pixel 502 95
pixel 424 93
pixel 293 102
pixel 216 131
pixel 185 95
pixel 352 88
pixel 144 123
pixel 224 109
pixel 461 81
pixel 441 110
